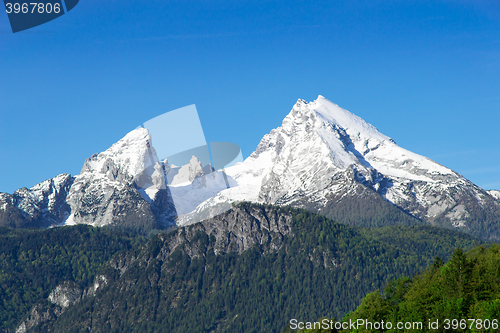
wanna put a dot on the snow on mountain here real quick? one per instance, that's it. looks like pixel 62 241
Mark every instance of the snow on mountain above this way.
pixel 45 197
pixel 188 195
pixel 188 172
pixel 494 193
pixel 106 191
pixel 131 160
pixel 42 205
pixel 120 184
pixel 322 151
pixel 321 157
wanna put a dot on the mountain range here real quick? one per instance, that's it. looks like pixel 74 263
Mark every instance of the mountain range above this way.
pixel 322 158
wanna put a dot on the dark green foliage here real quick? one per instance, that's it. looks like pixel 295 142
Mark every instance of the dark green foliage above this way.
pixel 34 262
pixel 322 269
pixel 421 238
pixel 467 287
pixel 367 210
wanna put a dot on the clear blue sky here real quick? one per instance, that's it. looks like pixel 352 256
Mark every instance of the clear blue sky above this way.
pixel 426 73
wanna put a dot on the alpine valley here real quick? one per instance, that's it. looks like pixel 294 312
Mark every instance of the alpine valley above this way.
pixel 326 210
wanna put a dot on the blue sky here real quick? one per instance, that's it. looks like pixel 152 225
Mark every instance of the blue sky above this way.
pixel 426 73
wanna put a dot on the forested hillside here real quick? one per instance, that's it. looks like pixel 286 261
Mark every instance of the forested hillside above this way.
pixel 34 262
pixel 462 295
pixel 201 278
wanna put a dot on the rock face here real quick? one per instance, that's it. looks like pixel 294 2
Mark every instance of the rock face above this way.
pixel 241 228
pixel 237 230
pixel 62 297
pixel 65 294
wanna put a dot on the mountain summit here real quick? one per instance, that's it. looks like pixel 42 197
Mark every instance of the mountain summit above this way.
pixel 329 160
pixel 322 158
pixel 107 189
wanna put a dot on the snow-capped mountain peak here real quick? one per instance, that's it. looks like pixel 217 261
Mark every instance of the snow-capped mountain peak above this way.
pixel 188 172
pixel 372 148
pixel 323 154
pixel 352 124
pixel 125 160
pixel 118 177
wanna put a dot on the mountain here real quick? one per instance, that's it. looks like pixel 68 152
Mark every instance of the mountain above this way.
pixel 122 186
pixel 41 206
pixel 125 186
pixel 330 161
pixel 322 158
pixel 250 269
